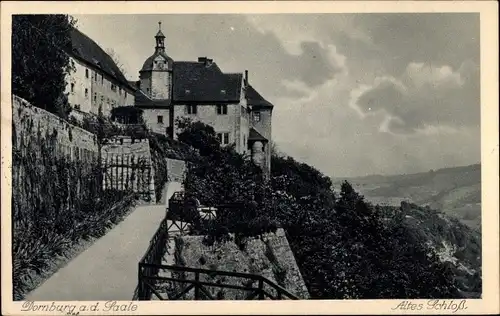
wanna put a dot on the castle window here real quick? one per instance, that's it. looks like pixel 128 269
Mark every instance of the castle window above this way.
pixel 102 79
pixel 102 99
pixel 256 116
pixel 191 109
pixel 223 138
pixel 86 73
pixel 113 87
pixel 160 119
pixel 86 92
pixel 95 97
pixel 222 109
pixel 72 87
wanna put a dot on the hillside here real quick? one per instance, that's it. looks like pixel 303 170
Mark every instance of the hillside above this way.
pixel 456 244
pixel 454 191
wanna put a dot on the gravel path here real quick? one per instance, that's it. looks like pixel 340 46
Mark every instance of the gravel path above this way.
pixel 107 270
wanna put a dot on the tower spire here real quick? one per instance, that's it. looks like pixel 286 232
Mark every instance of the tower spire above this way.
pixel 160 39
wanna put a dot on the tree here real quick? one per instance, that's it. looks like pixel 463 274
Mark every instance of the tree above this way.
pixel 345 248
pixel 198 135
pixel 225 179
pixel 114 56
pixel 39 60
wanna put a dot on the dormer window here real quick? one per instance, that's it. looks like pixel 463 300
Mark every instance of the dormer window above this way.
pixel 256 116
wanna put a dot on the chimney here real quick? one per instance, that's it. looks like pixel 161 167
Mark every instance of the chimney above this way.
pixel 205 60
pixel 246 77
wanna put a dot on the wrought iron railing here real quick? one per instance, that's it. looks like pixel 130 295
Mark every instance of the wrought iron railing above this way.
pixel 194 284
pixel 158 247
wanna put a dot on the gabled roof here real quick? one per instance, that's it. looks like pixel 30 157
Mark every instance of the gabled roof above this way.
pixel 84 48
pixel 143 101
pixel 204 82
pixel 255 100
pixel 253 135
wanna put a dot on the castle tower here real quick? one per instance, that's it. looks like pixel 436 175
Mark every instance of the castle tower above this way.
pixel 260 127
pixel 156 73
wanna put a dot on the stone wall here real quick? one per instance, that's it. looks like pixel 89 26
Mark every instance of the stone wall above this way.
pixel 30 123
pixel 263 256
pixel 127 165
pixel 54 164
pixel 176 170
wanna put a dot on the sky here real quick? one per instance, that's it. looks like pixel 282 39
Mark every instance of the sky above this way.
pixel 353 94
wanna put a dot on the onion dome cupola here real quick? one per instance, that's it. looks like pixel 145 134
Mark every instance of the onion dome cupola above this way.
pixel 159 60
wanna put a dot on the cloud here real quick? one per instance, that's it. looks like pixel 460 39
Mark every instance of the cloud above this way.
pixel 354 94
pixel 424 96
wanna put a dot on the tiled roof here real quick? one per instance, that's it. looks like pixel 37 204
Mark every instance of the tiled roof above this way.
pixel 143 101
pixel 204 83
pixel 255 100
pixel 148 64
pixel 84 48
pixel 254 135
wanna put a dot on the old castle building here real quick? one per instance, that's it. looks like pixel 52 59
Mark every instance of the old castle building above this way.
pixel 96 83
pixel 168 90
